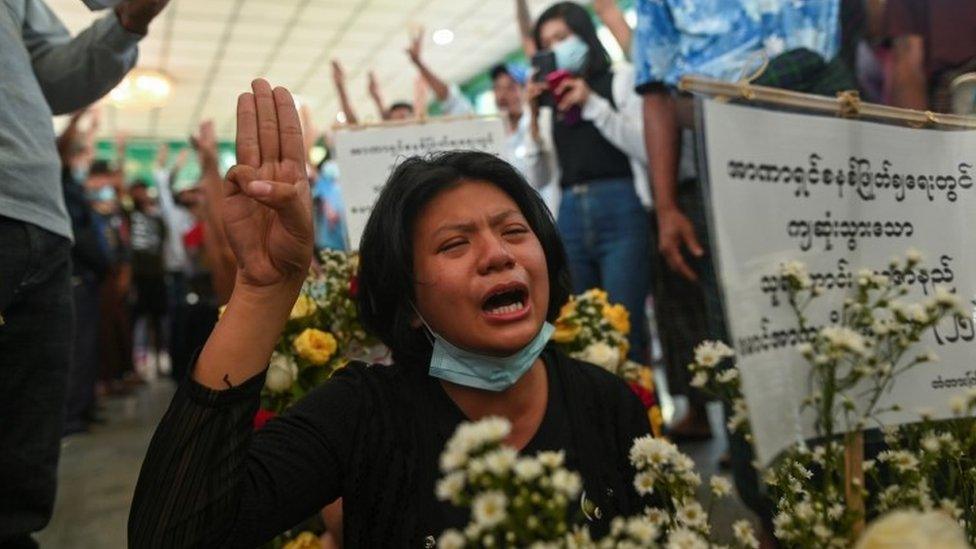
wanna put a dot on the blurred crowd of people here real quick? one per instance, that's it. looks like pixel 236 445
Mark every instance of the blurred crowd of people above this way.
pixel 609 145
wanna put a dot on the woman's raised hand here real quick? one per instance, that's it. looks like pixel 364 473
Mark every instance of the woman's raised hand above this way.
pixel 267 211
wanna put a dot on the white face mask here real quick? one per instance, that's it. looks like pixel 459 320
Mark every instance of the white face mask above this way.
pixel 96 5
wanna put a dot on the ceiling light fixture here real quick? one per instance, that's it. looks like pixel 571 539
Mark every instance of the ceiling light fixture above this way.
pixel 443 37
pixel 142 89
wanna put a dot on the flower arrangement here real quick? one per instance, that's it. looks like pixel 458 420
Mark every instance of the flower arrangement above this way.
pixel 591 329
pixel 321 335
pixel 820 494
pixel 528 501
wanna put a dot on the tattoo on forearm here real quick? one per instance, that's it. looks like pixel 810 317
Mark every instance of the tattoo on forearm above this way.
pixel 227 381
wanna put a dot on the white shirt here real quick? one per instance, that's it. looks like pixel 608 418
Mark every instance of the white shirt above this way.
pixel 623 127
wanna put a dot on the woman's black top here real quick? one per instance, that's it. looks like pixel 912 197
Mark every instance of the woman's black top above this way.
pixel 584 154
pixel 371 435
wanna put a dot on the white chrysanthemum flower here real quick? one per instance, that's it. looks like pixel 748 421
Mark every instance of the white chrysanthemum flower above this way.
pixel 957 404
pixel 917 313
pixel 844 339
pixel 805 349
pixel 528 468
pixel 476 467
pixel 691 514
pixel 822 532
pixel 945 298
pixel 551 459
pixel 650 451
pixel 913 256
pixel 835 511
pixel 642 530
pixel 721 486
pixel 567 482
pixel 501 461
pixel 449 487
pixel 451 539
pixel 864 277
pixel 797 273
pixel 683 538
pixel 804 511
pixel 710 353
pixel 282 373
pixel 744 534
pixel 451 460
pixel 488 508
pixel 740 415
pixel 728 376
pixel 699 380
pixel 644 482
pixel 657 517
pixel 881 327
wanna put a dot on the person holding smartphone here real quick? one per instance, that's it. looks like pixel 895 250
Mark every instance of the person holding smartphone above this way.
pixel 597 137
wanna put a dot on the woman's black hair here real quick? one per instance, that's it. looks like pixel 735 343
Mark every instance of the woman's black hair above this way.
pixel 386 278
pixel 581 23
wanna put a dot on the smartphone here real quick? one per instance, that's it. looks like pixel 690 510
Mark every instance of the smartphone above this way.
pixel 544 62
pixel 572 116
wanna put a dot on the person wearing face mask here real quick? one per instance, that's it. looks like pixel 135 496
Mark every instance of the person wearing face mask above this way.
pixel 461 273
pixel 597 135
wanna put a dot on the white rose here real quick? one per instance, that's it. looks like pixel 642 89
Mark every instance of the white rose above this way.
pixel 914 529
pixel 282 373
pixel 602 355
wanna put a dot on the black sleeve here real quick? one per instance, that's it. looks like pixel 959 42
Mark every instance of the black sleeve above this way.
pixel 208 480
pixel 632 422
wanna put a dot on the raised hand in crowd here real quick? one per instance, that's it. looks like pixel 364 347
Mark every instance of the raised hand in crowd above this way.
pixel 135 15
pixel 373 86
pixel 339 79
pixel 613 18
pixel 216 244
pixel 267 215
pixel 524 20
pixel 415 52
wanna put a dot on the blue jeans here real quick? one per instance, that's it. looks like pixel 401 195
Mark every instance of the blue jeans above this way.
pixel 605 231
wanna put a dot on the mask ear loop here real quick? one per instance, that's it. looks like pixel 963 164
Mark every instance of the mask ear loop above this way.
pixel 428 332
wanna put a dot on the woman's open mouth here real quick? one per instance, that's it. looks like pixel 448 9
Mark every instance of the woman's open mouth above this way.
pixel 507 302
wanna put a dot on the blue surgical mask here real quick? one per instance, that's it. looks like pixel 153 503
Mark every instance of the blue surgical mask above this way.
pixel 491 373
pixel 79 174
pixel 102 194
pixel 571 54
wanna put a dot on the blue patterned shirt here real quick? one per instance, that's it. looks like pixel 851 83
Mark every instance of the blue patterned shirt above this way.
pixel 720 38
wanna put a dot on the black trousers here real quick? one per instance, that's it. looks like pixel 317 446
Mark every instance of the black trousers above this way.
pixel 83 374
pixel 35 350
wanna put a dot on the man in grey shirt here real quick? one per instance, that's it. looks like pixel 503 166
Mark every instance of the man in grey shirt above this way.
pixel 43 71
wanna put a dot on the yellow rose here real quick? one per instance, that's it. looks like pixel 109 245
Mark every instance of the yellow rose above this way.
pixel 315 346
pixel 305 306
pixel 618 317
pixel 599 295
pixel 565 332
pixel 568 309
pixel 624 349
pixel 305 540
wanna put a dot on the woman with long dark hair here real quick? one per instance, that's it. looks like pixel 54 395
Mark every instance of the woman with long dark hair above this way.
pixel 597 134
